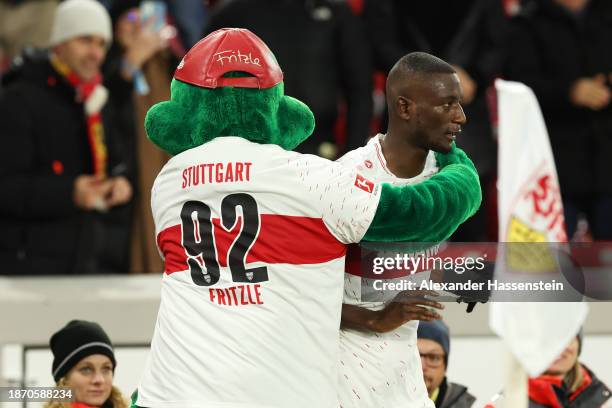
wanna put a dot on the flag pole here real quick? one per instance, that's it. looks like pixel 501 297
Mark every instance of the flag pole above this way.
pixel 515 383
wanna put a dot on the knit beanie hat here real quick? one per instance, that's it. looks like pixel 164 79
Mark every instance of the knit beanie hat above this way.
pixel 75 18
pixel 437 331
pixel 77 340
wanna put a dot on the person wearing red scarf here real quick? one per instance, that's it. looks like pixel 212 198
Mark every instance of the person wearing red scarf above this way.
pixel 79 47
pixel 62 170
pixel 567 383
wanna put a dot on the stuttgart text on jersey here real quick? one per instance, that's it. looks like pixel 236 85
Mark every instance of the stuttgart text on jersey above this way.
pixel 208 173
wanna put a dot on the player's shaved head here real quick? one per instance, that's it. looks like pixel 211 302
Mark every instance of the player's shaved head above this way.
pixel 421 63
pixel 412 71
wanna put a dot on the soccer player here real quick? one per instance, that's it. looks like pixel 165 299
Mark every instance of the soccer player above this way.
pixel 379 362
pixel 254 235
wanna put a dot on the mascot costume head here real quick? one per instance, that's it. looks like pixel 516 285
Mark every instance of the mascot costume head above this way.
pixel 228 84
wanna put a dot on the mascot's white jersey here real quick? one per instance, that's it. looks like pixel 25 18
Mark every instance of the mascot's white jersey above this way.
pixel 380 370
pixel 254 239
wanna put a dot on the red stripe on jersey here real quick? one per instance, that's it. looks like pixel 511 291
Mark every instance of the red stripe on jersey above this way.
pixel 282 239
pixel 169 243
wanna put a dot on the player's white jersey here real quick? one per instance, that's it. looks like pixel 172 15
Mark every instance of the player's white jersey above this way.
pixel 380 370
pixel 254 239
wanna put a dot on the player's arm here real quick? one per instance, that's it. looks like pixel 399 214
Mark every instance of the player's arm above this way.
pixel 405 307
pixel 432 210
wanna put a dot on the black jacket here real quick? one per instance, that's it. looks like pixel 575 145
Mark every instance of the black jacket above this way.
pixel 44 144
pixel 322 51
pixel 454 396
pixel 549 49
pixel 478 49
pixel 397 27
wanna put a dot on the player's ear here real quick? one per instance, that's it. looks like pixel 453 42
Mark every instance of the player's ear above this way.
pixel 405 107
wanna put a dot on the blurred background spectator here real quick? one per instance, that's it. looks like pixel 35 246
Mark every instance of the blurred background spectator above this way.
pixel 321 46
pixel 24 23
pixel 63 168
pixel 561 49
pixel 476 52
pixel 191 18
pixel 433 341
pixel 568 383
pixel 397 27
pixel 84 363
pixel 138 72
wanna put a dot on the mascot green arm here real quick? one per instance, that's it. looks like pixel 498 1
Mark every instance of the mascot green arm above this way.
pixel 432 210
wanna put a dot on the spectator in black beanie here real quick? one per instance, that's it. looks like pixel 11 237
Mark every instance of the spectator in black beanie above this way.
pixel 433 341
pixel 84 361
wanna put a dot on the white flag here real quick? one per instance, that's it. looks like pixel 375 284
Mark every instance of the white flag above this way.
pixel 530 210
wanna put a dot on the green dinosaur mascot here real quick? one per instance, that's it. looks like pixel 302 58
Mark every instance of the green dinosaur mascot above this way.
pixel 254 235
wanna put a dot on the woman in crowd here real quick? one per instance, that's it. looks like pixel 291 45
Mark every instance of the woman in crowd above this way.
pixel 84 362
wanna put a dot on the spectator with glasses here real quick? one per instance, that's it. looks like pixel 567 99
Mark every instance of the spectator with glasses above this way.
pixel 434 347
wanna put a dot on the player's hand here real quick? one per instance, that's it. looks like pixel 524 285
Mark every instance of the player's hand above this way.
pixel 468 85
pixel 120 191
pixel 407 306
pixel 138 39
pixel 89 192
pixel 592 93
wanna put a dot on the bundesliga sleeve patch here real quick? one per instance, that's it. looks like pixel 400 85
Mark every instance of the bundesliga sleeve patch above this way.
pixel 364 184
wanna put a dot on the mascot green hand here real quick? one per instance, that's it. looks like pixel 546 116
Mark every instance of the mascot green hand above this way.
pixel 211 100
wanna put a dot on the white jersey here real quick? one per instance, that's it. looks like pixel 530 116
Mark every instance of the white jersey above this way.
pixel 254 239
pixel 380 370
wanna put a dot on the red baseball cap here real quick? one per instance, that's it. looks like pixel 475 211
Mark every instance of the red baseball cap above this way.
pixel 227 50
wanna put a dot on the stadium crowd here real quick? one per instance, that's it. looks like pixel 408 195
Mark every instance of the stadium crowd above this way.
pixel 335 57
